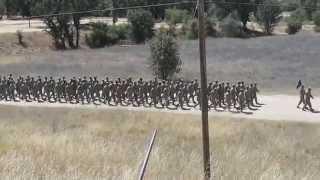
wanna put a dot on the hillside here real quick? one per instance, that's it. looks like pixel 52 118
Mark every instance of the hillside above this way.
pixel 275 62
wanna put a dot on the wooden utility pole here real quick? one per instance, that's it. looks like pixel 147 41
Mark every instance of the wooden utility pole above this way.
pixel 204 91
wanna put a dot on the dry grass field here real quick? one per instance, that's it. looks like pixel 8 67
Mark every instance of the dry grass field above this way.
pixel 75 143
pixel 72 143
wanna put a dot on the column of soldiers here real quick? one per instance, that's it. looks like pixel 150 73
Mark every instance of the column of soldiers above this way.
pixel 125 92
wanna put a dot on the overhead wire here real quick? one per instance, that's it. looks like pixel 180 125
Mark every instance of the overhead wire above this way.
pixel 171 4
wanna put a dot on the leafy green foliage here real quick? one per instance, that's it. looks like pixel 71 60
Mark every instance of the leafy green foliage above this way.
pixel 231 26
pixel 175 16
pixel 243 8
pixel 217 12
pixel 316 18
pixel 165 58
pixel 2 8
pixel 294 22
pixel 290 5
pixel 141 25
pixel 310 3
pixel 122 31
pixel 104 35
pixel 211 24
pixel 192 29
pixel 269 15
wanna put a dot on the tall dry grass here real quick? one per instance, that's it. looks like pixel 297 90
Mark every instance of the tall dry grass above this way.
pixel 58 143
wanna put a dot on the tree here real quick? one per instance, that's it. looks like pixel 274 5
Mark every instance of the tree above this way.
pixel 24 7
pixel 141 24
pixel 316 20
pixel 64 28
pixel 10 7
pixel 294 22
pixel 2 8
pixel 59 27
pixel 165 58
pixel 269 15
pixel 115 4
pixel 174 16
pixel 310 3
pixel 102 35
pixel 231 26
pixel 243 7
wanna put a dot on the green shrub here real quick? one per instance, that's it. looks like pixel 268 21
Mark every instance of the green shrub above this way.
pixel 295 21
pixel 165 59
pixel 317 28
pixel 316 18
pixel 211 24
pixel 122 30
pixel 141 25
pixel 269 15
pixel 192 31
pixel 300 14
pixel 217 12
pixel 290 6
pixel 104 35
pixel 175 16
pixel 294 25
pixel 232 27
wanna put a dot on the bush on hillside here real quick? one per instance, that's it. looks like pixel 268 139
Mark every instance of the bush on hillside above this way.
pixel 141 25
pixel 232 27
pixel 165 59
pixel 217 12
pixel 269 15
pixel 295 21
pixel 211 24
pixel 192 29
pixel 316 20
pixel 122 31
pixel 105 35
pixel 175 16
pixel 293 25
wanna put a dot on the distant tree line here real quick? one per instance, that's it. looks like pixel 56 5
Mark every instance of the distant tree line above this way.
pixel 224 17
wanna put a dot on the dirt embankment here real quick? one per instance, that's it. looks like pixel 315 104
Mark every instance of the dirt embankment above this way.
pixel 33 42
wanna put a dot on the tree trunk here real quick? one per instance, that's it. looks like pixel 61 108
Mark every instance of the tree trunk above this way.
pixel 76 22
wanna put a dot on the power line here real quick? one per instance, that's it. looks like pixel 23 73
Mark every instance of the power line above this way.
pixel 172 4
pixel 116 9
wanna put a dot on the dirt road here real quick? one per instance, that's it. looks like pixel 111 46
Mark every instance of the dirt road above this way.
pixel 36 25
pixel 276 107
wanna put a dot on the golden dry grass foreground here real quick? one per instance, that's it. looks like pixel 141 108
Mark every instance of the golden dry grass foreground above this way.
pixel 75 143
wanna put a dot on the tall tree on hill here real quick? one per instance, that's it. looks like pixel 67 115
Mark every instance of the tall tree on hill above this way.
pixel 308 4
pixel 269 15
pixel 142 23
pixel 243 7
pixel 64 28
pixel 115 4
pixel 24 7
pixel 80 5
pixel 2 8
pixel 165 59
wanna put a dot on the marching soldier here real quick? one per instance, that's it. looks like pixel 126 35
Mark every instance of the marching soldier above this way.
pixel 302 97
pixel 308 104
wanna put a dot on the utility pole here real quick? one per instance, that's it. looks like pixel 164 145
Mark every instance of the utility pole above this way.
pixel 204 91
